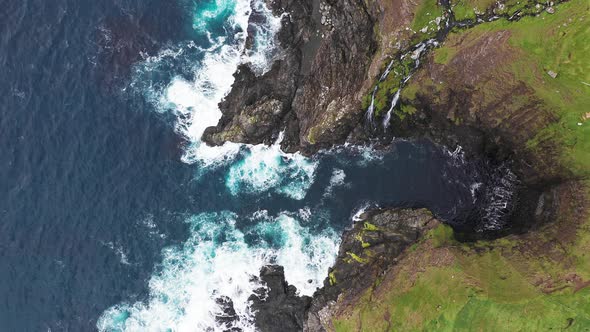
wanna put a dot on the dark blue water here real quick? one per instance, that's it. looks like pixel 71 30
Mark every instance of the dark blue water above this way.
pixel 89 170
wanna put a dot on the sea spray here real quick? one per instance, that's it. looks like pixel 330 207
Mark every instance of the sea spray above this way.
pixel 264 48
pixel 194 102
pixel 266 167
pixel 217 261
pixel 336 180
pixel 220 260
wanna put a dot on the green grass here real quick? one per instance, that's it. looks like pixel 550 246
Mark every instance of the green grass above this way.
pixel 463 10
pixel 332 278
pixel 547 42
pixel 557 42
pixel 387 88
pixel 443 55
pixel 425 16
pixel 357 258
pixel 367 226
pixel 481 292
pixel 441 235
pixel 560 42
pixel 502 285
pixel 539 314
pixel 470 9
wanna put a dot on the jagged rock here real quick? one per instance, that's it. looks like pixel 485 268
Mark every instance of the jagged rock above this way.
pixel 278 308
pixel 317 82
pixel 228 316
pixel 254 123
pixel 250 92
pixel 366 252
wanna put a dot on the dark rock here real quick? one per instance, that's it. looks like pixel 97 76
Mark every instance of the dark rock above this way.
pixel 367 251
pixel 248 101
pixel 313 91
pixel 228 316
pixel 278 308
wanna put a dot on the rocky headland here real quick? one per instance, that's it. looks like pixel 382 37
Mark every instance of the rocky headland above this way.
pixel 368 250
pixel 509 82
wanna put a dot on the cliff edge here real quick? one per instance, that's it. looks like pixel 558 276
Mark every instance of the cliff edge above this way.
pixel 509 81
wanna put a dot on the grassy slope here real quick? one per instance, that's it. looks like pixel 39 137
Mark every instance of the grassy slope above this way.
pixel 528 283
pixel 487 286
pixel 560 43
pixel 470 9
pixel 425 17
pixel 552 42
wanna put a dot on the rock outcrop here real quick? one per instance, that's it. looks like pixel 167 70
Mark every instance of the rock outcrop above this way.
pixel 314 89
pixel 278 308
pixel 474 100
pixel 479 90
pixel 367 251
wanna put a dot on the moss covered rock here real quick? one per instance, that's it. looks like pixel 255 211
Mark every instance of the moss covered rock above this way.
pixel 367 251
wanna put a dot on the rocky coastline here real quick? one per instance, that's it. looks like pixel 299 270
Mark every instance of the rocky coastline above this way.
pixel 313 90
pixel 368 250
pixel 438 70
pixel 333 52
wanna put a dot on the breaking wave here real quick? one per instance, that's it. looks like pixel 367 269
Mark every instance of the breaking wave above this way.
pixel 267 168
pixel 220 260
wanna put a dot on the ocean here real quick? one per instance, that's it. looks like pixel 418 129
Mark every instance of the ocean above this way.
pixel 114 215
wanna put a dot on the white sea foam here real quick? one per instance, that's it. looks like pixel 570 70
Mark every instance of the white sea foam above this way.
pixel 119 251
pixel 474 188
pixel 149 223
pixel 358 212
pixel 267 168
pixel 195 103
pixel 210 12
pixel 184 288
pixel 306 257
pixel 265 47
pixel 368 155
pixel 336 180
pixel 216 261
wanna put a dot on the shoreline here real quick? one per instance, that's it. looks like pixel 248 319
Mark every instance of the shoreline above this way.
pixel 439 100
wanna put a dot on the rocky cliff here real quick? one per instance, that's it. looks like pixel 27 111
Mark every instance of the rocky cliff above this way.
pixel 509 82
pixel 313 91
pixel 367 252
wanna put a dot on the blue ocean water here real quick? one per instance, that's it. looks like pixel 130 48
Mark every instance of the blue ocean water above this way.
pixel 115 216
